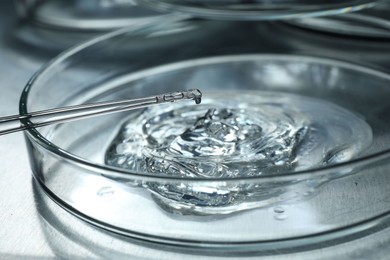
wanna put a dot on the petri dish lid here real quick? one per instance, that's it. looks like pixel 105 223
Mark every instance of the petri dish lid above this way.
pixel 259 9
pixel 86 15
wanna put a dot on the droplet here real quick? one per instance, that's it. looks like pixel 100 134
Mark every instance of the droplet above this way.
pixel 278 210
pixel 280 213
pixel 280 216
pixel 106 191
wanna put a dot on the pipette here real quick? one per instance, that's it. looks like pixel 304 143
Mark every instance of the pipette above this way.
pixel 15 123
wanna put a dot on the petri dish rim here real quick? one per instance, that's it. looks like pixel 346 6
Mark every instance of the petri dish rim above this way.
pixel 121 173
pixel 225 14
pixel 67 18
pixel 379 26
pixel 280 246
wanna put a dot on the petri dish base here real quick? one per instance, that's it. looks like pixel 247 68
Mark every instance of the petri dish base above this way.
pixel 295 209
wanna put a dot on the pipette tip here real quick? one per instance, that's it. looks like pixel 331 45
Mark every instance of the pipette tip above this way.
pixel 193 94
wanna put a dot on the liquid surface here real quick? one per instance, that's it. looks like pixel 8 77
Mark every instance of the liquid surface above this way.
pixel 235 134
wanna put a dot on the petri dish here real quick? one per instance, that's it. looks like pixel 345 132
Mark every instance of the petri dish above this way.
pixel 54 26
pixel 342 197
pixel 88 15
pixel 259 9
pixel 369 23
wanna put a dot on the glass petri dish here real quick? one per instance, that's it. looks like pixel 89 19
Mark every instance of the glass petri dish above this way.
pixel 259 9
pixel 54 26
pixel 369 23
pixel 298 208
pixel 88 15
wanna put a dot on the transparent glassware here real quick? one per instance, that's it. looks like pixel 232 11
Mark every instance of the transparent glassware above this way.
pixel 328 203
pixel 56 25
pixel 258 9
pixel 369 23
pixel 101 15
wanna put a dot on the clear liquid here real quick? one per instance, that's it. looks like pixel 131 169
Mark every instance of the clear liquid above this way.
pixel 234 134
